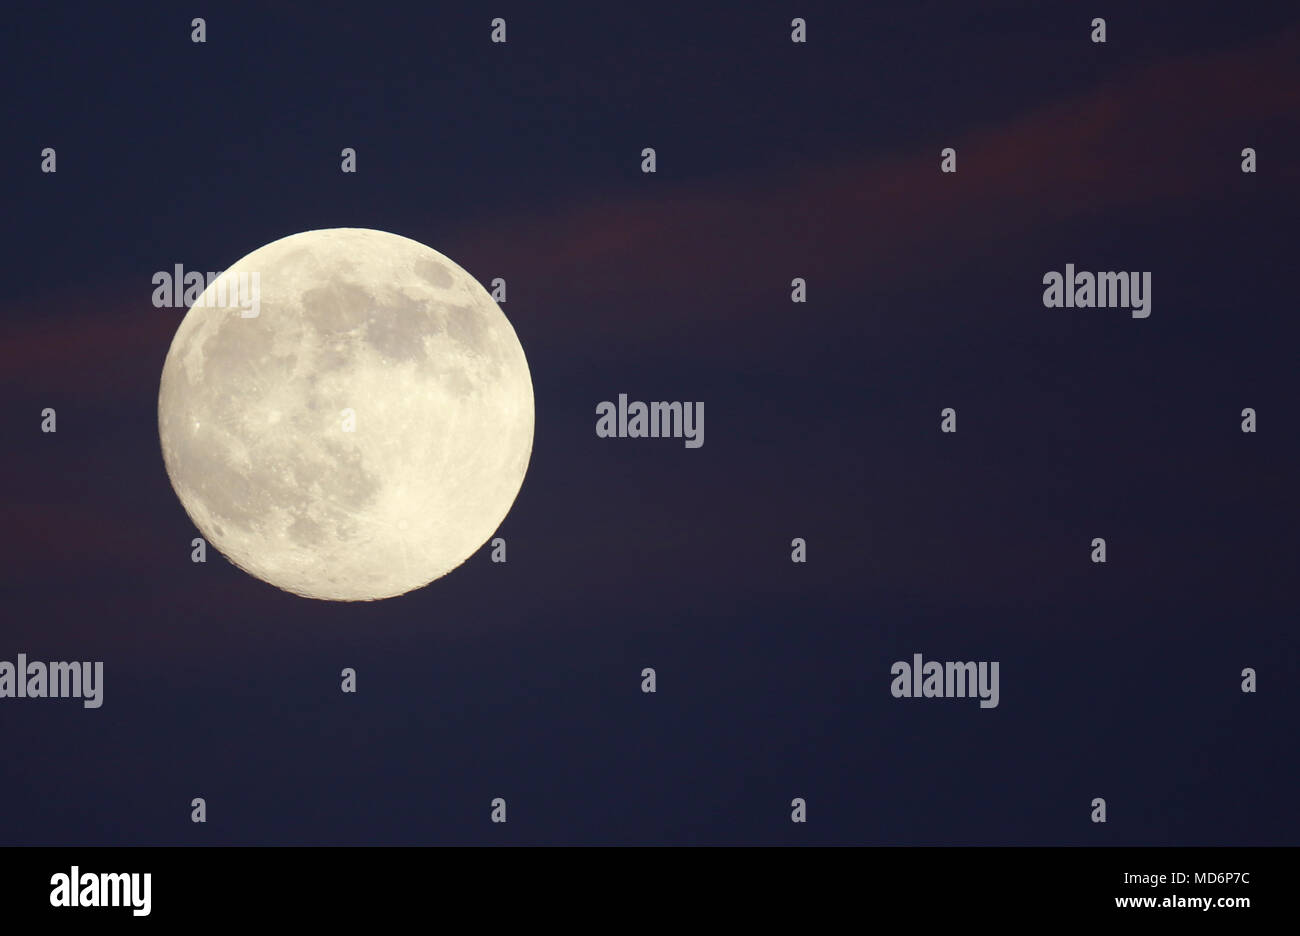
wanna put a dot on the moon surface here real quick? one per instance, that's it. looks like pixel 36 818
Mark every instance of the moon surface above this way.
pixel 362 434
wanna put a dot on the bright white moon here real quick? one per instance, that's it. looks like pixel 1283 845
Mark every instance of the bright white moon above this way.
pixel 364 433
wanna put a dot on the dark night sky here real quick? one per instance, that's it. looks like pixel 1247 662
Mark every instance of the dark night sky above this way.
pixel 822 421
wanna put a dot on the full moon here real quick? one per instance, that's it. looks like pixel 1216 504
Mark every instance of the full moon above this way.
pixel 346 414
